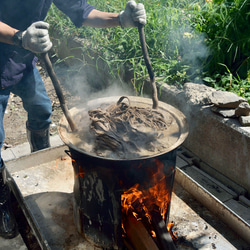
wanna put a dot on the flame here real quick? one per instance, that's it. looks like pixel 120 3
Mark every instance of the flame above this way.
pixel 170 226
pixel 81 172
pixel 143 200
pixel 153 234
pixel 80 169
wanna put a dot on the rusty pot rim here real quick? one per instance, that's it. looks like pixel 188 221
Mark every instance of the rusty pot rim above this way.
pixel 179 117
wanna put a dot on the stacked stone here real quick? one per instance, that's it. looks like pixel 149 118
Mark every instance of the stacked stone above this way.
pixel 232 106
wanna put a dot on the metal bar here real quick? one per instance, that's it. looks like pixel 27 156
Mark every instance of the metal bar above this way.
pixel 26 211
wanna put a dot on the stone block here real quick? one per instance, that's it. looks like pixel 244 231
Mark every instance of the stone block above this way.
pixel 245 120
pixel 243 109
pixel 224 99
pixel 220 142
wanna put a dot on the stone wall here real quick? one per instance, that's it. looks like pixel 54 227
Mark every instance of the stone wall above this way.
pixel 220 142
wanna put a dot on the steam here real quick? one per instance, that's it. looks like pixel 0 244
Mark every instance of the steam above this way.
pixel 189 48
pixel 85 83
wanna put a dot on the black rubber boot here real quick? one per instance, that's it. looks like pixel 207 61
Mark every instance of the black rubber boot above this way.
pixel 38 139
pixel 8 226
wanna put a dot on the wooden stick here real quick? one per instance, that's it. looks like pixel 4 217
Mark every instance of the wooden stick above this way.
pixel 138 234
pixel 58 90
pixel 148 65
pixel 163 236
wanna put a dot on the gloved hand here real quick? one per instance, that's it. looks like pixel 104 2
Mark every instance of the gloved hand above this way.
pixel 132 15
pixel 36 38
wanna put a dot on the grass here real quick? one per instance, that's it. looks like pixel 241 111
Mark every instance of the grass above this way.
pixel 199 41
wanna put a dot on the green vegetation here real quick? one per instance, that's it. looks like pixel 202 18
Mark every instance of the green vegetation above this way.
pixel 199 41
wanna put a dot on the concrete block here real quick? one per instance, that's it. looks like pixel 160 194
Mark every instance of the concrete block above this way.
pixel 241 210
pixel 188 156
pixel 180 162
pixel 24 149
pixel 218 183
pixel 56 141
pixel 21 149
pixel 8 154
pixel 244 200
pixel 223 179
pixel 220 142
pixel 208 184
pixel 13 244
pixel 36 158
pixel 202 194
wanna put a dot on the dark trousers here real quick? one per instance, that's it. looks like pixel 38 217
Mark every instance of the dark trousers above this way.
pixel 35 101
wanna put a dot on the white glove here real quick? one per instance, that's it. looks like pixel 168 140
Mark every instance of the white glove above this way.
pixel 132 15
pixel 36 38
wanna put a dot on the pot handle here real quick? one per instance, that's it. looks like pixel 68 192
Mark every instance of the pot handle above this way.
pixel 148 65
pixel 68 153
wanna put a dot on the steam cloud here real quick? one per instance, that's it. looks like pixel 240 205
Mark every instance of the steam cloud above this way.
pixel 190 49
pixel 85 83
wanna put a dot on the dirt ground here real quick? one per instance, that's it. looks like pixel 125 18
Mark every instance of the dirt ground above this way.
pixel 15 115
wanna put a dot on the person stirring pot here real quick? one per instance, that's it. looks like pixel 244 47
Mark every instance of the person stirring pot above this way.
pixel 23 33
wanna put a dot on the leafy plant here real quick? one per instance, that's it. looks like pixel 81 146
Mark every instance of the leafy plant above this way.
pixel 187 40
pixel 230 83
pixel 227 29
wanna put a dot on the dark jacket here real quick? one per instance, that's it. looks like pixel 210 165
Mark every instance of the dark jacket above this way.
pixel 20 14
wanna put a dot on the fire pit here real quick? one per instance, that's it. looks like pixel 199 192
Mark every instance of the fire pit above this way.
pixel 106 185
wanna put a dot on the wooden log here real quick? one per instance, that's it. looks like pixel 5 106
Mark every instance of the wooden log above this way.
pixel 138 235
pixel 164 239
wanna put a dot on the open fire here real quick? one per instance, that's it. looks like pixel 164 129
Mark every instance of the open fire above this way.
pixel 149 204
pixel 143 199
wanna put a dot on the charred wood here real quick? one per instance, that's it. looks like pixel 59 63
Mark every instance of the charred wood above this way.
pixel 138 235
pixel 163 236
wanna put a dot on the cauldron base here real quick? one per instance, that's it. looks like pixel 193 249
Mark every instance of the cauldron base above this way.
pixel 99 184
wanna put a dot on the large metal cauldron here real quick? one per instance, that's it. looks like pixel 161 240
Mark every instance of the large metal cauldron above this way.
pixel 100 181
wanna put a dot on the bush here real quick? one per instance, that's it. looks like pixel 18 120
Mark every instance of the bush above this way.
pixel 227 27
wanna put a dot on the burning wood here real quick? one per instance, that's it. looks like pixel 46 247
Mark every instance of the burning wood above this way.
pixel 163 236
pixel 140 232
pixel 124 129
pixel 137 234
pixel 150 205
pixel 153 193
